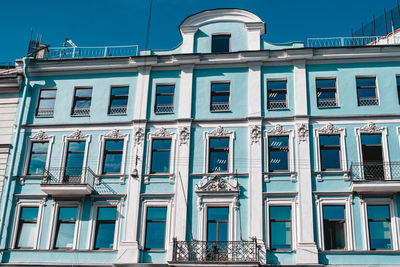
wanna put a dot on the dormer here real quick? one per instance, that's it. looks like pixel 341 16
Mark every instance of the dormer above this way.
pixel 221 30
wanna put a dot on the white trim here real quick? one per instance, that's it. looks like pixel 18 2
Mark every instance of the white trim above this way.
pixel 162 133
pixel 393 220
pixel 218 132
pixel 53 226
pixel 39 137
pixel 18 206
pixel 204 201
pixel 278 130
pixel 349 231
pixel 280 202
pixel 330 129
pixel 113 135
pixel 371 128
pixel 76 136
pixel 156 203
pixel 93 220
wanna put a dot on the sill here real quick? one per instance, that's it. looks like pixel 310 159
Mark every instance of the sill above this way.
pixel 155 250
pixel 220 111
pixel 369 105
pixel 278 250
pixel 36 116
pixel 279 173
pixel 117 114
pixel 331 172
pixel 77 115
pixel 329 107
pixel 278 109
pixel 158 174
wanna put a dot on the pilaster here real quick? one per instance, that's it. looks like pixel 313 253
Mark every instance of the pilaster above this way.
pixel 188 33
pixel 254 90
pixel 254 30
pixel 185 93
pixel 142 91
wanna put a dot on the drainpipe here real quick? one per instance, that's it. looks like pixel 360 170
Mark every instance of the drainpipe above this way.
pixel 6 200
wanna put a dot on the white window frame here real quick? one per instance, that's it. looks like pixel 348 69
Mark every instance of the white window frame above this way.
pixel 39 137
pixel 277 202
pixel 93 221
pixel 161 133
pixel 212 200
pixel 364 202
pixel 18 207
pixel 218 132
pixel 376 88
pixel 371 128
pixel 349 230
pixel 278 130
pixel 76 136
pixel 53 227
pixel 287 93
pixel 336 92
pixel 113 135
pixel 168 230
pixel 330 129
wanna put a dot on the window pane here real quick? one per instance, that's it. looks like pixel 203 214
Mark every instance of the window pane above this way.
pixel 330 159
pixel 218 214
pixel 278 141
pixel 108 213
pixel 334 234
pixel 371 139
pixel 161 149
pixel 278 160
pixel 379 235
pixel 220 43
pixel 82 104
pixel 165 89
pixel 218 161
pixel 223 231
pixel 165 100
pixel 105 235
pixel 48 93
pixel 27 235
pixel 46 103
pixel 280 213
pixel 119 102
pixel 212 231
pixel 326 83
pixel 155 235
pixel 367 93
pixel 280 235
pixel 75 160
pixel 162 144
pixel 365 81
pixel 276 85
pixel 157 213
pixel 114 144
pixel 219 143
pixel 83 92
pixel 378 212
pixel 333 212
pixel 118 91
pixel 65 235
pixel 326 95
pixel 112 163
pixel 220 87
pixel 67 213
pixel 329 140
pixel 76 146
pixel 29 213
pixel 37 163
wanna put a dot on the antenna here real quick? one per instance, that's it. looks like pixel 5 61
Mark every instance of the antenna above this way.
pixel 148 25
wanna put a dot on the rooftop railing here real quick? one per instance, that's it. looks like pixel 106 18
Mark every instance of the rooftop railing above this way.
pixel 215 251
pixel 90 52
pixel 353 41
pixel 375 171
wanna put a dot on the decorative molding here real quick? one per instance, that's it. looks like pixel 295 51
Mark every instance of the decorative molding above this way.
pixel 255 134
pixel 77 135
pixel 40 136
pixel 139 136
pixel 330 129
pixel 219 131
pixel 115 134
pixel 371 128
pixel 184 135
pixel 302 132
pixel 217 184
pixel 278 130
pixel 162 132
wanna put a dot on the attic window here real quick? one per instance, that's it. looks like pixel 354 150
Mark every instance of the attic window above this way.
pixel 220 43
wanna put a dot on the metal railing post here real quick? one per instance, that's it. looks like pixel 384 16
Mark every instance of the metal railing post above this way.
pixel 105 51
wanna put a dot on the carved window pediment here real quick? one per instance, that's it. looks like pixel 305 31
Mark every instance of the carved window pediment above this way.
pixel 217 184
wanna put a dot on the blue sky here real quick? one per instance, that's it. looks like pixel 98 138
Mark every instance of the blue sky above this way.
pixel 124 22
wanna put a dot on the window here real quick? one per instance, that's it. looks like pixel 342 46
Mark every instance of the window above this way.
pixel 164 98
pixel 329 146
pixel 74 161
pixel 379 227
pixel 118 101
pixel 371 146
pixel 280 227
pixel 326 93
pixel 47 99
pixel 217 223
pixel 334 227
pixel 219 153
pixel 105 227
pixel 220 96
pixel 65 228
pixel 278 153
pixel 398 87
pixel 82 102
pixel 112 160
pixel 27 228
pixel 156 219
pixel 160 155
pixel 366 91
pixel 277 95
pixel 38 158
pixel 220 43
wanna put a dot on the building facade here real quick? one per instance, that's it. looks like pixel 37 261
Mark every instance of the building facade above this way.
pixel 226 150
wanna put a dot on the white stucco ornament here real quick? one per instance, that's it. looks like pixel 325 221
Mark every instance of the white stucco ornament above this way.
pixel 302 132
pixel 217 184
pixel 371 128
pixel 330 129
pixel 139 135
pixel 184 135
pixel 162 132
pixel 115 134
pixel 40 136
pixel 219 131
pixel 255 134
pixel 77 135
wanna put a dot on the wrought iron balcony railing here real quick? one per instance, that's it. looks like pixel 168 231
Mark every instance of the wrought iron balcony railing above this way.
pixel 277 104
pixel 68 176
pixel 45 112
pixel 327 103
pixel 164 109
pixel 375 171
pixel 207 251
pixel 368 101
pixel 120 110
pixel 81 111
pixel 222 106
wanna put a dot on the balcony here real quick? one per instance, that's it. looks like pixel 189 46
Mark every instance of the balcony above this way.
pixel 379 177
pixel 68 181
pixel 241 253
pixel 220 106
pixel 160 109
